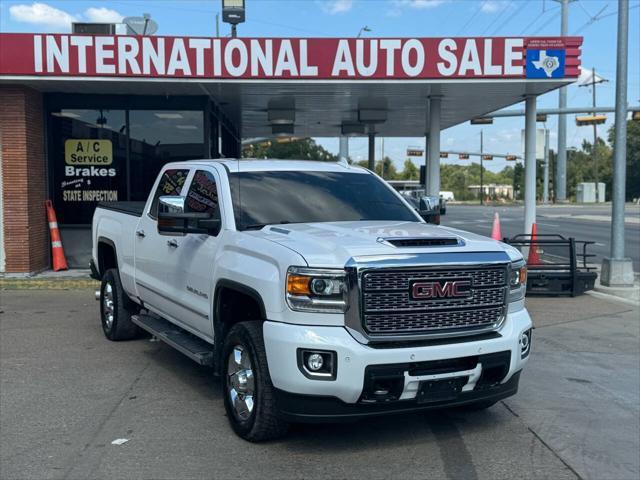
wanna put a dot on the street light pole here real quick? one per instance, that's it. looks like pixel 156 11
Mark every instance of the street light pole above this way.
pixel 617 270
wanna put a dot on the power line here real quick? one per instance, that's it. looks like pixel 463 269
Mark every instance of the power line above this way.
pixel 592 20
pixel 535 20
pixel 472 17
pixel 506 7
pixel 510 17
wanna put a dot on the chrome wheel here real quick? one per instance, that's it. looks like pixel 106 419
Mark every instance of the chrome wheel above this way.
pixel 240 382
pixel 107 306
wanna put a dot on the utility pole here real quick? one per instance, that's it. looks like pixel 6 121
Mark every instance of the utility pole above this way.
pixel 617 271
pixel 561 160
pixel 595 137
pixel 545 184
pixel 372 149
pixel 481 169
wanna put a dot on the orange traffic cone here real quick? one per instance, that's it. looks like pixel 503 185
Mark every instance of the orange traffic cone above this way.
pixel 533 258
pixel 59 262
pixel 495 231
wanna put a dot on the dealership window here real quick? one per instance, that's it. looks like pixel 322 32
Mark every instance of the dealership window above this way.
pixel 158 137
pixel 89 161
pixel 115 154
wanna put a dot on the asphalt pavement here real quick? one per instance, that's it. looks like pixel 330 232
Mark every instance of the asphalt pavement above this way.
pixel 66 393
pixel 583 222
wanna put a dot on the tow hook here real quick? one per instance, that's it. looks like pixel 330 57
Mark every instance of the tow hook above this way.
pixel 97 294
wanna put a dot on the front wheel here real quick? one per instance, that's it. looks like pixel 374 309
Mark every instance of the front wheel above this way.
pixel 116 309
pixel 249 396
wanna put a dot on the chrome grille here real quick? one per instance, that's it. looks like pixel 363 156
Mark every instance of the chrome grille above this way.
pixel 432 322
pixel 389 309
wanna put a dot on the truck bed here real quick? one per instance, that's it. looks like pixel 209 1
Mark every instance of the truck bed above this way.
pixel 129 208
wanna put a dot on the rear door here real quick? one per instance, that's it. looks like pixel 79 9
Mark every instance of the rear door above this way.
pixel 157 256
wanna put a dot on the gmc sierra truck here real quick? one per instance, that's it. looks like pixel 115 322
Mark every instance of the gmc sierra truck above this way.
pixel 314 290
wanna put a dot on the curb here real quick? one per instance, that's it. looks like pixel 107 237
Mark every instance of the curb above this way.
pixel 614 298
pixel 48 284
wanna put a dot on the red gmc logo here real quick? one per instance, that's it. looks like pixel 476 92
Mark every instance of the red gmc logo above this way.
pixel 444 289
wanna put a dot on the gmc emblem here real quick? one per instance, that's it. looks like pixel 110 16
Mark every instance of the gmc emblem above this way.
pixel 442 289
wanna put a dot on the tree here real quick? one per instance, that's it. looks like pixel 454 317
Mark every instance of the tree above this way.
pixel 633 158
pixel 410 171
pixel 298 149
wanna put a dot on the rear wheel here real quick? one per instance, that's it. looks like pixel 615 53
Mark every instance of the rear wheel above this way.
pixel 116 309
pixel 249 396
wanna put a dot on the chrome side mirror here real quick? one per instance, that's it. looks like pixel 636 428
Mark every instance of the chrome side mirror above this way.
pixel 170 204
pixel 173 220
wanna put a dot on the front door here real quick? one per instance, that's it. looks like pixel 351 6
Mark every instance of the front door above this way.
pixel 198 254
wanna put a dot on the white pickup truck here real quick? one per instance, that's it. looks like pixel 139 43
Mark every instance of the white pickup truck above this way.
pixel 314 290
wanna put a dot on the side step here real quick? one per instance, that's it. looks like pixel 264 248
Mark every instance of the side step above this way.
pixel 193 347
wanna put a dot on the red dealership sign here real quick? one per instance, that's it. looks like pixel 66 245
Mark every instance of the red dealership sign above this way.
pixel 60 55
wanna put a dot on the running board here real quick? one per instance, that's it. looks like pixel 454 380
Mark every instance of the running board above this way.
pixel 193 347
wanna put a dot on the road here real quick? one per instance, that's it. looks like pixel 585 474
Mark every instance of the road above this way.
pixel 589 222
pixel 66 393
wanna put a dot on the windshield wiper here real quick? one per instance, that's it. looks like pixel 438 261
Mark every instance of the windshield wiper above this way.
pixel 260 226
pixel 255 226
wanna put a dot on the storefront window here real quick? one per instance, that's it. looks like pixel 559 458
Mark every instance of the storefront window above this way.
pixel 89 161
pixel 158 137
pixel 112 155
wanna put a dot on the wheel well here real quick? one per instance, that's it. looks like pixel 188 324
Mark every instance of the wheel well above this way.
pixel 235 303
pixel 106 257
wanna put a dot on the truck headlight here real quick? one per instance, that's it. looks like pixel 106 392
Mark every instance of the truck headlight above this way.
pixel 517 281
pixel 317 290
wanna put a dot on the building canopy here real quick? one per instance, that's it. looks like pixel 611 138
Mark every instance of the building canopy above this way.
pixel 305 86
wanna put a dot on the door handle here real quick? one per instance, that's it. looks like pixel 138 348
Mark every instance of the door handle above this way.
pixel 172 243
pixel 140 233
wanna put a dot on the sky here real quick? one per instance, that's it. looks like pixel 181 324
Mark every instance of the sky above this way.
pixel 595 20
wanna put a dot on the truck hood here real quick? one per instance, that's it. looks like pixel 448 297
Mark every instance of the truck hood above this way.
pixel 332 244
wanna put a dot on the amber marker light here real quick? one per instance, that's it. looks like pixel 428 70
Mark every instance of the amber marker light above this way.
pixel 298 284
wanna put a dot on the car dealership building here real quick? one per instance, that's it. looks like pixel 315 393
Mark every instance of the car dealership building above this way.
pixel 89 118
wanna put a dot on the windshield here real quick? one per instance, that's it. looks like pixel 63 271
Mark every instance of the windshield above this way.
pixel 263 198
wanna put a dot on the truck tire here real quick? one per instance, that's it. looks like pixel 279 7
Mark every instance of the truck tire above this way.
pixel 249 397
pixel 116 309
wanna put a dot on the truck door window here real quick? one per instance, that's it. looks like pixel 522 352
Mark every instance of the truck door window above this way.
pixel 170 184
pixel 203 194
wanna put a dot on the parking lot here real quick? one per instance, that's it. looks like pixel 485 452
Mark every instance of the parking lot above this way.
pixel 66 393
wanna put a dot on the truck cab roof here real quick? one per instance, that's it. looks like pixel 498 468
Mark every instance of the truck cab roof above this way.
pixel 271 164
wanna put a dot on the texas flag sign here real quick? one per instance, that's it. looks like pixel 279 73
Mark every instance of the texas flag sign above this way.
pixel 545 63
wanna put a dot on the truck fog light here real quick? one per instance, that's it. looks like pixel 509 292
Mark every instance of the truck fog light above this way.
pixel 318 364
pixel 525 343
pixel 315 362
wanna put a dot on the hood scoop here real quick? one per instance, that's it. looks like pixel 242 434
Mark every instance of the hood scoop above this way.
pixel 422 242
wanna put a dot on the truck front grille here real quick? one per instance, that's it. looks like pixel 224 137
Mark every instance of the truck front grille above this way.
pixel 390 307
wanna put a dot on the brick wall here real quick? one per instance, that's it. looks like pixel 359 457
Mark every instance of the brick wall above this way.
pixel 26 235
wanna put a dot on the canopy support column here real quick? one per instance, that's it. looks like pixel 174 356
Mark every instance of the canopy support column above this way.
pixel 343 154
pixel 433 144
pixel 372 148
pixel 529 163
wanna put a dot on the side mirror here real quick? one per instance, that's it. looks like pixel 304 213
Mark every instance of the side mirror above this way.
pixel 173 220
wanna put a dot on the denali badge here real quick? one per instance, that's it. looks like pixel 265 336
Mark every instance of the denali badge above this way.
pixel 441 289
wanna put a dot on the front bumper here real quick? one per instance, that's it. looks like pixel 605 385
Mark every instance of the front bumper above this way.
pixel 315 408
pixel 356 362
